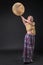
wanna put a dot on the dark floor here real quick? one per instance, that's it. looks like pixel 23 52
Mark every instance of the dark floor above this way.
pixel 15 58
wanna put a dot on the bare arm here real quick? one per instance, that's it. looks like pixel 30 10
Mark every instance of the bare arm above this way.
pixel 23 20
pixel 31 23
pixel 26 21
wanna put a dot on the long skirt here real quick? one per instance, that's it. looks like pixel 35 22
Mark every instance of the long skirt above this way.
pixel 29 43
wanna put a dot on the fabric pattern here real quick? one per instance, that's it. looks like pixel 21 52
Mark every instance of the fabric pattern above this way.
pixel 29 43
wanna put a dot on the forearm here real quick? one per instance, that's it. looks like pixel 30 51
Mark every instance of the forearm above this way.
pixel 23 18
pixel 32 23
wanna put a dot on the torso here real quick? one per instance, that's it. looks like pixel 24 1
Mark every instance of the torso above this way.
pixel 30 29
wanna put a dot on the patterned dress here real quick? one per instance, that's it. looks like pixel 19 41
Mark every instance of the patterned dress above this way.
pixel 29 43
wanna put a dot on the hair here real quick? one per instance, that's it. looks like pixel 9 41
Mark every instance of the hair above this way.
pixel 31 18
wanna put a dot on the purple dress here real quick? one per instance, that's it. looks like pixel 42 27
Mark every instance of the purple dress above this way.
pixel 29 43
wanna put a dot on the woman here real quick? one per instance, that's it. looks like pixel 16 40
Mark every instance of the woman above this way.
pixel 29 40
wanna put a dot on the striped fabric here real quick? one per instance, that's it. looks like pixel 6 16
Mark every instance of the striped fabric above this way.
pixel 29 42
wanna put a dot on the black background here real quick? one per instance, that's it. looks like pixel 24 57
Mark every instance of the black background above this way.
pixel 12 30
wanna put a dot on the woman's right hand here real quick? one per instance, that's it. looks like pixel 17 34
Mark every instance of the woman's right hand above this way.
pixel 23 18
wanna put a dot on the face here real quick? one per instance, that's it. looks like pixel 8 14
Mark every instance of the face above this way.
pixel 30 18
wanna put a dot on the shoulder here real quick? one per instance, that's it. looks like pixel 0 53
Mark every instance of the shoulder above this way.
pixel 33 23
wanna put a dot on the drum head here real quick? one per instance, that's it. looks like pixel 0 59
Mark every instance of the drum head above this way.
pixel 18 9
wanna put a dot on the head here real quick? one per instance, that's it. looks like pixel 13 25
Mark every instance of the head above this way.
pixel 30 18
